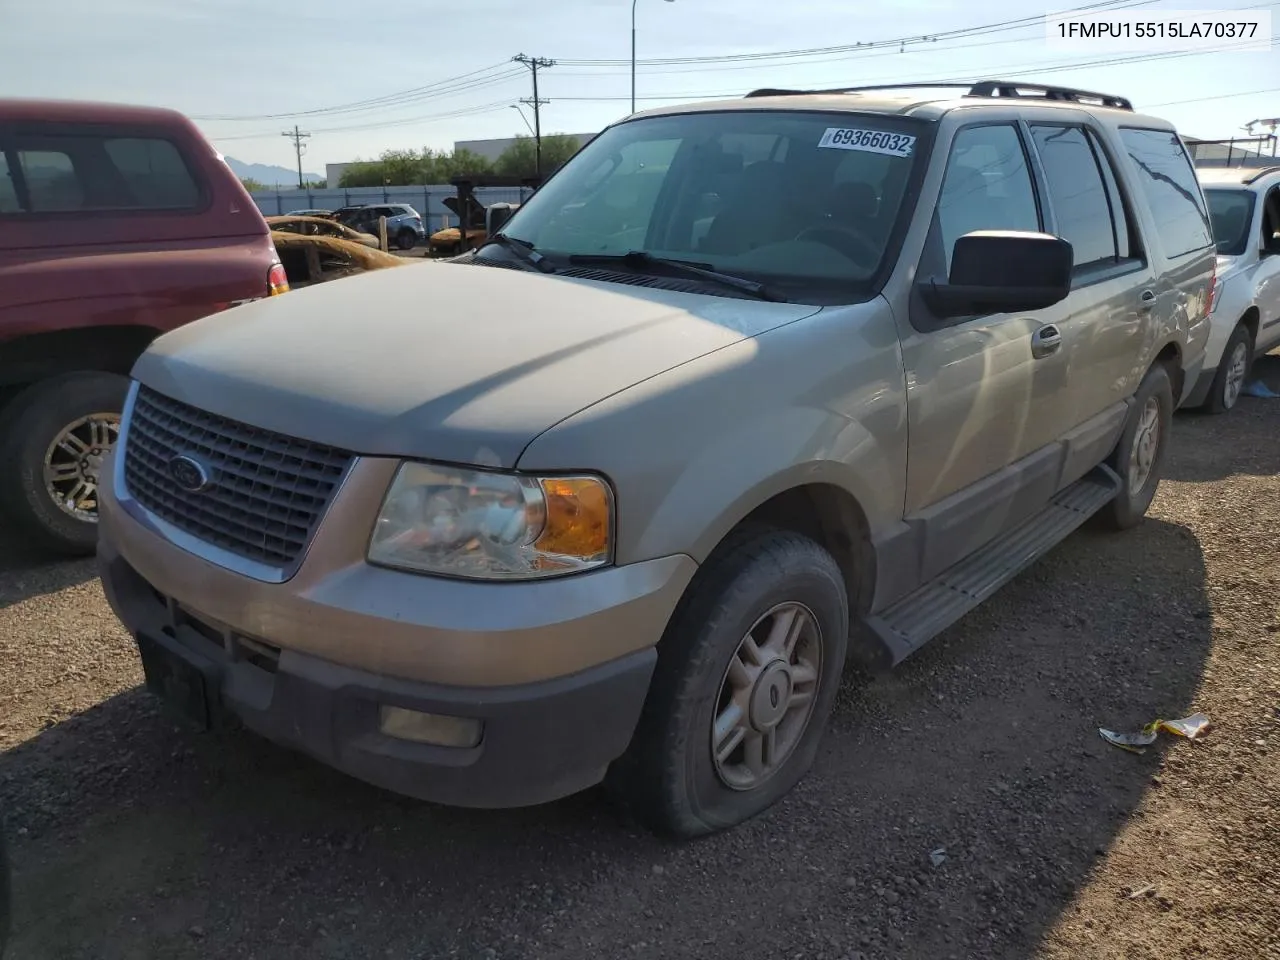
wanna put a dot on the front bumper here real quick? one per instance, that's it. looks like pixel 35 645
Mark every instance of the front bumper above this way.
pixel 541 741
pixel 557 671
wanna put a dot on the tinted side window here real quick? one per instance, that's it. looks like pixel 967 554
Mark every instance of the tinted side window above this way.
pixel 986 187
pixel 52 182
pixel 1077 193
pixel 1231 214
pixel 8 192
pixel 1168 181
pixel 154 172
pixel 85 173
pixel 1128 243
pixel 1270 221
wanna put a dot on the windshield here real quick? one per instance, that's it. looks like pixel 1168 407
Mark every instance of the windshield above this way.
pixel 1232 214
pixel 804 202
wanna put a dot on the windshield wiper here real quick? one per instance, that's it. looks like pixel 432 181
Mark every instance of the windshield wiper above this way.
pixel 524 250
pixel 640 258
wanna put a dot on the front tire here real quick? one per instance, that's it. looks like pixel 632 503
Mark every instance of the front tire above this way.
pixel 1140 455
pixel 1233 372
pixel 53 439
pixel 746 675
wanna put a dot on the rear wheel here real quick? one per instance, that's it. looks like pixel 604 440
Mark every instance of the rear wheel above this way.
pixel 1139 457
pixel 1233 370
pixel 54 437
pixel 746 676
pixel 406 239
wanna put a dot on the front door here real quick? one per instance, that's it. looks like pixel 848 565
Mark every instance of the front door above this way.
pixel 1267 279
pixel 982 392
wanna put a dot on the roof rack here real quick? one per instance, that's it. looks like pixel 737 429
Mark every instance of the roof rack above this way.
pixel 1264 172
pixel 772 92
pixel 980 88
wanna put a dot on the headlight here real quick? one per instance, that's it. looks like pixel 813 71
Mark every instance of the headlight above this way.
pixel 492 526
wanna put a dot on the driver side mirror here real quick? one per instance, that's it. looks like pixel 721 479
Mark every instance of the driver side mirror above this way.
pixel 1002 271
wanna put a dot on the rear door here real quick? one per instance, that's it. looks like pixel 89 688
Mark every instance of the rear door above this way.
pixel 1112 278
pixel 1179 242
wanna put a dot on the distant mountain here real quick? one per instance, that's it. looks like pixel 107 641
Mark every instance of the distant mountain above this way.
pixel 269 175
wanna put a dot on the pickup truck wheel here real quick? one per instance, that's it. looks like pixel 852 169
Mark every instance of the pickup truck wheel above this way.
pixel 53 439
pixel 1139 457
pixel 1233 370
pixel 746 676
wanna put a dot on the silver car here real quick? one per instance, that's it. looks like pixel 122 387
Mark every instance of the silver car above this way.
pixel 746 388
pixel 1244 208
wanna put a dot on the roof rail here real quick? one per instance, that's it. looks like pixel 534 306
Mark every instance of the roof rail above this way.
pixel 1264 172
pixel 1013 88
pixel 980 88
pixel 772 92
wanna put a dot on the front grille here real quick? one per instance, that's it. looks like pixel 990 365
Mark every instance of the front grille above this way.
pixel 266 492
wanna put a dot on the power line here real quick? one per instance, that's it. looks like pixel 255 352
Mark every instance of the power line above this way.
pixel 1014 24
pixel 854 55
pixel 1221 96
pixel 378 125
pixel 1012 71
pixel 297 136
pixel 533 63
pixel 497 73
pixel 466 81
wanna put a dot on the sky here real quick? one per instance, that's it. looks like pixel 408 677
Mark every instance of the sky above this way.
pixel 425 73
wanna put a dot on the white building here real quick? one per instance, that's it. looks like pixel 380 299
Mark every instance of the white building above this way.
pixel 493 149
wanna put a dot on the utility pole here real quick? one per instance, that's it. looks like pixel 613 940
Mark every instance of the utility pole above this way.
pixel 297 136
pixel 533 63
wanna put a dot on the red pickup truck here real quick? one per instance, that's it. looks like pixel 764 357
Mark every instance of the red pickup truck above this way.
pixel 117 224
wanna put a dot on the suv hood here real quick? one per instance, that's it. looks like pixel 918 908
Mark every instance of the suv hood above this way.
pixel 441 361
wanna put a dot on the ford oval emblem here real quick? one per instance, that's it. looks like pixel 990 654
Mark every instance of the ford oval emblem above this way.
pixel 190 473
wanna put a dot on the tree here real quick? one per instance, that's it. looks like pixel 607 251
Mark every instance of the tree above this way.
pixel 521 158
pixel 410 167
pixel 252 185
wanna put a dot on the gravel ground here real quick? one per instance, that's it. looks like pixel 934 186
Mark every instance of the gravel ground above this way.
pixel 134 838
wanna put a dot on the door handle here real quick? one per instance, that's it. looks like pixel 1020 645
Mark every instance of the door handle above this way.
pixel 1147 300
pixel 1045 341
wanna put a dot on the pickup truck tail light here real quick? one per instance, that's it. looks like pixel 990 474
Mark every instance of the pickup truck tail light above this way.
pixel 277 280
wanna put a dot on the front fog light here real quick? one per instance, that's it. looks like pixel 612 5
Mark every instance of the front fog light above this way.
pixel 405 724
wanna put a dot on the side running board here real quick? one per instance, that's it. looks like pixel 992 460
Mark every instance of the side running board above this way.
pixel 908 624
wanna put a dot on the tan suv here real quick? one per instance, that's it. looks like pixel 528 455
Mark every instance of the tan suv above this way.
pixel 747 386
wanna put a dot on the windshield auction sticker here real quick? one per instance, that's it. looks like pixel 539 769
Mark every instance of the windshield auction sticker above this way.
pixel 868 141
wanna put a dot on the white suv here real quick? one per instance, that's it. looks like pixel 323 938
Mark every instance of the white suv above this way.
pixel 1244 204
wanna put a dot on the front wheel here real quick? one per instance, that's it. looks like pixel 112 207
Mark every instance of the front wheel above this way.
pixel 1139 457
pixel 1233 370
pixel 54 437
pixel 746 676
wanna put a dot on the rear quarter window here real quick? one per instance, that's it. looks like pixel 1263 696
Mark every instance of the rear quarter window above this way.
pixel 87 173
pixel 1168 183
